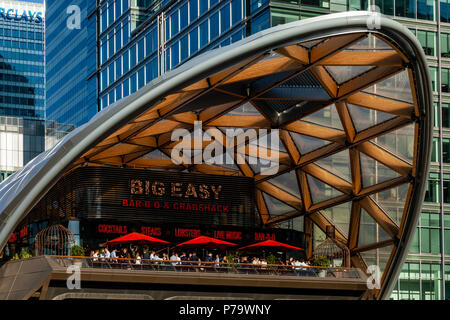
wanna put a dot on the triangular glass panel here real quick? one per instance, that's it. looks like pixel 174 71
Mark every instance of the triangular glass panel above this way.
pixel 275 206
pixel 327 116
pixel 271 141
pixel 399 142
pixel 378 257
pixel 339 216
pixel 156 154
pixel 292 224
pixel 232 167
pixel 301 87
pixel 371 43
pixel 281 105
pixel 343 74
pixel 261 166
pixel 396 87
pixel 287 182
pixel 392 201
pixel 369 231
pixel 364 118
pixel 318 236
pixel 337 164
pixel 246 109
pixel 312 43
pixel 307 144
pixel 374 172
pixel 321 191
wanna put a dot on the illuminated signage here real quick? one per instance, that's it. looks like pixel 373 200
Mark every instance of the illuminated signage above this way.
pixel 175 189
pixel 151 196
pixel 110 228
pixel 21 14
pixel 261 236
pixel 179 233
pixel 177 206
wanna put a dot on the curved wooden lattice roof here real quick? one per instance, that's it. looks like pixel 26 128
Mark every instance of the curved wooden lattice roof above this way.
pixel 352 111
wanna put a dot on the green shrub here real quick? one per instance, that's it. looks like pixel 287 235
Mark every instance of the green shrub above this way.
pixel 321 262
pixel 271 259
pixel 25 254
pixel 77 251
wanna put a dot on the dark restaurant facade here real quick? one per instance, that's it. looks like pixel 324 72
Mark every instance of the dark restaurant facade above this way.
pixel 98 204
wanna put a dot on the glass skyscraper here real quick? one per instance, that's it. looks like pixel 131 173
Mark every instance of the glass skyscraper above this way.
pixel 22 83
pixel 71 64
pixel 22 75
pixel 124 44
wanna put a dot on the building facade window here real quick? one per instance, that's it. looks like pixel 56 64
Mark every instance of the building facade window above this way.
pixel 405 8
pixel 446 115
pixel 435 150
pixel 426 9
pixel 386 6
pixel 419 281
pixel 445 78
pixel 433 189
pixel 434 77
pixel 445 10
pixel 261 22
pixel 428 41
pixel 282 16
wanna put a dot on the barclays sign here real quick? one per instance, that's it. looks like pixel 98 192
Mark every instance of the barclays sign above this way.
pixel 20 14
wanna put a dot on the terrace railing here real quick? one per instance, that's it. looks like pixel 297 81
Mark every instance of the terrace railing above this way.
pixel 204 266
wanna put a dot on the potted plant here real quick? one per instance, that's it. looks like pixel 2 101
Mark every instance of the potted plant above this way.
pixel 25 254
pixel 77 251
pixel 322 262
pixel 231 260
pixel 272 261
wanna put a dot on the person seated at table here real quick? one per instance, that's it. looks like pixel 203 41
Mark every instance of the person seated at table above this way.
pixel 95 256
pixel 264 263
pixel 113 256
pixel 124 255
pixel 174 257
pixel 255 261
pixel 157 258
pixel 244 262
pixel 217 261
pixel 138 258
pixel 225 262
pixel 145 257
pixel 153 256
pixel 165 258
pixel 297 265
pixel 195 260
pixel 209 258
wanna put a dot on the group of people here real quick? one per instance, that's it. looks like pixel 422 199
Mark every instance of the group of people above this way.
pixel 137 256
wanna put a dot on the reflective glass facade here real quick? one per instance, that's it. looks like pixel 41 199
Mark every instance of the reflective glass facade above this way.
pixel 20 141
pixel 139 40
pixel 22 75
pixel 22 84
pixel 71 59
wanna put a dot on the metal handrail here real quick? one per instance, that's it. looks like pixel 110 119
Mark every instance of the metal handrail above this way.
pixel 206 266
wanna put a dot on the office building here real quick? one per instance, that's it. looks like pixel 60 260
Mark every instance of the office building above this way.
pixel 141 40
pixel 22 83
